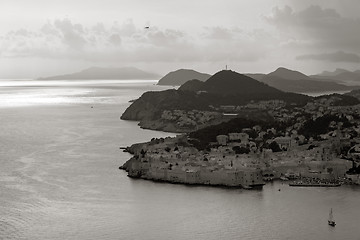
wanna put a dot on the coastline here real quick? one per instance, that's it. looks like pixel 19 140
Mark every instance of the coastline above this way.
pixel 174 160
pixel 314 185
pixel 234 178
pixel 255 187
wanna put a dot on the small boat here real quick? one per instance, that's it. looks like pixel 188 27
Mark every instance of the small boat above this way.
pixel 331 220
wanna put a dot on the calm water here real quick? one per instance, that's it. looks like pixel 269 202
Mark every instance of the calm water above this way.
pixel 59 178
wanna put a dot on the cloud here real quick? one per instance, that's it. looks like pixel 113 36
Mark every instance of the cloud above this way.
pixel 162 38
pixel 321 27
pixel 63 39
pixel 115 39
pixel 339 56
pixel 220 33
pixel 73 35
pixel 234 44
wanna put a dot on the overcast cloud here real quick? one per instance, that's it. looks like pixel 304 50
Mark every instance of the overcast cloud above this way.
pixel 44 38
pixel 320 29
pixel 333 57
pixel 64 39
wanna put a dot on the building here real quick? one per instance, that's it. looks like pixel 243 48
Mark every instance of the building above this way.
pixel 222 139
pixel 285 143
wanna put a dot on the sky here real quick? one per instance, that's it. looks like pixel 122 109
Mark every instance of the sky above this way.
pixel 41 38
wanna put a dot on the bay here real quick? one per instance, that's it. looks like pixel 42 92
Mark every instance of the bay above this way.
pixel 59 178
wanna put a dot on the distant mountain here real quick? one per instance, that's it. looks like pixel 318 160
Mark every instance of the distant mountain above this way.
pixel 288 74
pixel 340 76
pixel 334 73
pixel 179 77
pixel 348 76
pixel 305 85
pixel 106 73
pixel 294 81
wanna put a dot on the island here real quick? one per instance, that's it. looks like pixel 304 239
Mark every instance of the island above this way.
pixel 96 73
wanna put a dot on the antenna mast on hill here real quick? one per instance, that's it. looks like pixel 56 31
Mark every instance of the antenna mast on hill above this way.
pixel 225 67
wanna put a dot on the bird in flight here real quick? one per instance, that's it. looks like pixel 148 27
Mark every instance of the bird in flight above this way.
pixel 147 27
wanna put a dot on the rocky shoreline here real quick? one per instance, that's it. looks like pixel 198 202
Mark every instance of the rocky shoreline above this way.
pixel 191 183
pixel 233 139
pixel 173 160
pixel 159 125
pixel 139 173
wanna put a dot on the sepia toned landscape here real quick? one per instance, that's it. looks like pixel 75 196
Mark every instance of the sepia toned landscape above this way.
pixel 179 120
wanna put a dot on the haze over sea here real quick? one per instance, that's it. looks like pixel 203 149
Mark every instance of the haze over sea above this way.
pixel 59 178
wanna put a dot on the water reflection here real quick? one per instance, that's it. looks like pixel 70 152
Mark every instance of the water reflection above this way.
pixel 19 93
pixel 59 179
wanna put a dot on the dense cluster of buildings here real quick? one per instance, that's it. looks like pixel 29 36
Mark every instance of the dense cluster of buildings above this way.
pixel 168 161
pixel 189 119
pixel 248 157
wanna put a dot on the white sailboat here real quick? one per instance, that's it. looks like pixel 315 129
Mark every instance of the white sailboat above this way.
pixel 331 220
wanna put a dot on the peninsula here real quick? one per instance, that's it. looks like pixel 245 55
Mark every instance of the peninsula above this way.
pixel 311 142
pixel 270 134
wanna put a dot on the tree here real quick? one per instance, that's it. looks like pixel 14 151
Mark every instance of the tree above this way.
pixel 274 147
pixel 241 150
pixel 142 152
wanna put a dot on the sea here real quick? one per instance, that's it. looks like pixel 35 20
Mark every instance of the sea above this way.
pixel 60 152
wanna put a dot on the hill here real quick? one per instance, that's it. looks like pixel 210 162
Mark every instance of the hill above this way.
pixel 124 73
pixel 294 81
pixel 192 86
pixel 225 88
pixel 334 73
pixel 256 76
pixel 282 78
pixel 227 83
pixel 340 76
pixel 181 76
pixel 288 74
pixel 354 93
pixel 305 85
pixel 232 88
